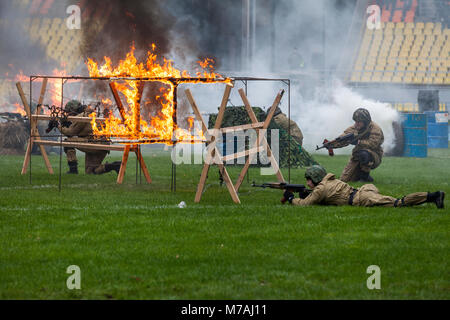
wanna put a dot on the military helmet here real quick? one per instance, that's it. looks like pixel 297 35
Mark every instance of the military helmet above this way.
pixel 316 173
pixel 362 115
pixel 74 106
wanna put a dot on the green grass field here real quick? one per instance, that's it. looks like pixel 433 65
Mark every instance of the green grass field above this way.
pixel 131 241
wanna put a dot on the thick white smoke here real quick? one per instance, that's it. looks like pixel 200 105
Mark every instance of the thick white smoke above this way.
pixel 319 120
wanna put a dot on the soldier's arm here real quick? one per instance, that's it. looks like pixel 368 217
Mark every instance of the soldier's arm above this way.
pixel 73 130
pixel 315 197
pixel 345 143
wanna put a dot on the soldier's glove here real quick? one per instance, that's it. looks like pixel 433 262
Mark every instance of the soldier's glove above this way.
pixel 288 196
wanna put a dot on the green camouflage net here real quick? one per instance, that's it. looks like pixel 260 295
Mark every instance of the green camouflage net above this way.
pixel 235 116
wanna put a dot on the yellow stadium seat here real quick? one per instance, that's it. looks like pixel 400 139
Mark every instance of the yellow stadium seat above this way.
pixel 422 68
pixel 417 31
pixel 408 79
pixel 389 25
pixel 383 55
pixel 390 67
pixel 355 76
pixel 438 80
pixel 409 25
pixel 418 78
pixel 388 32
pixel 397 79
pixel 403 54
pixel 376 77
pixel 447 80
pixel 400 25
pixel 408 31
pixel 437 31
pixel 429 25
pixel 434 68
pixel 419 25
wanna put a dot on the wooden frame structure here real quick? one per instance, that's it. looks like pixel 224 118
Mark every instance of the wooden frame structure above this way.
pixel 213 154
pixel 36 139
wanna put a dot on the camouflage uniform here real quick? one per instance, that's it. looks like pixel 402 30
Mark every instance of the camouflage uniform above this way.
pixel 285 123
pixel 332 191
pixel 368 152
pixel 82 132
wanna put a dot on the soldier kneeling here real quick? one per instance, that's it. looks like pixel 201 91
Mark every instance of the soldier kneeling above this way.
pixel 82 132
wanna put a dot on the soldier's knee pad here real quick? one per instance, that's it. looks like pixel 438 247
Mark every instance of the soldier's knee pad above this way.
pixel 364 157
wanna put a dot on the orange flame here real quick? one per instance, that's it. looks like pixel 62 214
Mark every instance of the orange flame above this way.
pixel 162 126
pixel 19 109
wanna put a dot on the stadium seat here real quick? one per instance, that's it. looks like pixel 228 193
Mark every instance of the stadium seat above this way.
pixel 356 76
pixel 429 25
pixel 387 77
pixel 376 77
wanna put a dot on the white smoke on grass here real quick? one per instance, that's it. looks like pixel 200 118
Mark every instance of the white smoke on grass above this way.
pixel 319 120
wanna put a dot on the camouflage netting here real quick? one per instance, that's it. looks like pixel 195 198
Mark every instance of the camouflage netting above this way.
pixel 235 116
pixel 13 137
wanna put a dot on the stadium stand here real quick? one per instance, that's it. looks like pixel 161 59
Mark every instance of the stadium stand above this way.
pixel 47 29
pixel 409 48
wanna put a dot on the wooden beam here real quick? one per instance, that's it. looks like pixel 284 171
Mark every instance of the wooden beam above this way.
pixel 44 117
pixel 240 154
pixel 119 104
pixel 242 127
pixel 81 145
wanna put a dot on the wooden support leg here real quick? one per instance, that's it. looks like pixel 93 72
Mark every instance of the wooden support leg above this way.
pixel 123 166
pixel 201 183
pixel 143 166
pixel 261 138
pixel 34 130
pixel 229 184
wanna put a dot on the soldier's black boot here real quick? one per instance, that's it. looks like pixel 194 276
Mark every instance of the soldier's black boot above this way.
pixel 73 167
pixel 113 166
pixel 436 197
pixel 365 177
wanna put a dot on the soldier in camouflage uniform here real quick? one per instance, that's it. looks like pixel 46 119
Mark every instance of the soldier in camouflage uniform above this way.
pixel 327 190
pixel 285 123
pixel 82 132
pixel 367 153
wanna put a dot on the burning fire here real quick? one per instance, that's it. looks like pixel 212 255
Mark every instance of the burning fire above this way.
pixel 162 126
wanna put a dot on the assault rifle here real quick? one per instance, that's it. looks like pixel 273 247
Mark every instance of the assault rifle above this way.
pixel 303 192
pixel 58 115
pixel 348 138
